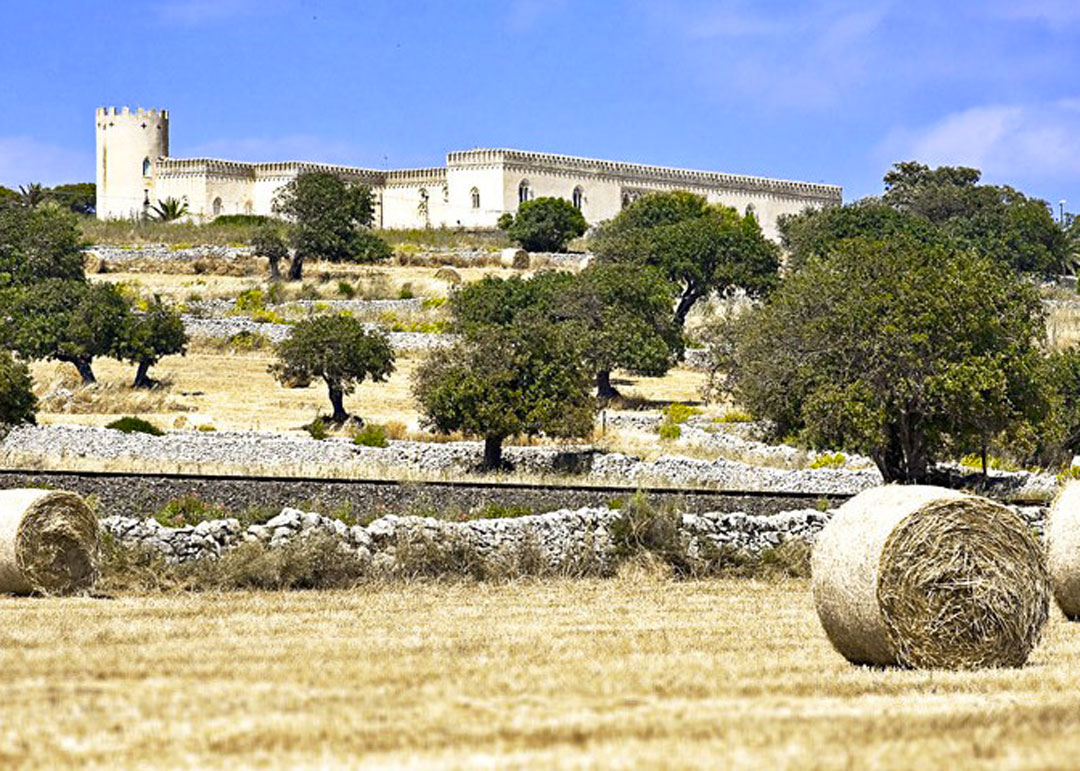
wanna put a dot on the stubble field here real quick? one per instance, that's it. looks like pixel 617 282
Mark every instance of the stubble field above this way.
pixel 638 671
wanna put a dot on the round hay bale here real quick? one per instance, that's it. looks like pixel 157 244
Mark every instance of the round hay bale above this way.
pixel 449 275
pixel 1063 550
pixel 48 542
pixel 930 578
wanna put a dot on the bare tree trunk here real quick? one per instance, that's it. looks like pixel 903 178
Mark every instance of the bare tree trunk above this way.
pixel 86 372
pixel 686 301
pixel 142 375
pixel 337 399
pixel 296 268
pixel 493 458
pixel 604 389
pixel 275 271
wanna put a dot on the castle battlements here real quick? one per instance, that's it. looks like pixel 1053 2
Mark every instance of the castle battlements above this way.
pixel 473 189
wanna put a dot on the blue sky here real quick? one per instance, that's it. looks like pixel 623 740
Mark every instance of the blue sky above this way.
pixel 821 90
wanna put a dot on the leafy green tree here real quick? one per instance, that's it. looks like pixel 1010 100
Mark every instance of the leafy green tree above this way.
pixel 329 215
pixel 340 351
pixel 268 242
pixel 544 224
pixel 896 349
pixel 39 243
pixel 620 314
pixel 150 336
pixel 169 210
pixel 8 196
pixel 528 378
pixel 69 321
pixel 997 221
pixel 699 247
pixel 17 401
pixel 80 197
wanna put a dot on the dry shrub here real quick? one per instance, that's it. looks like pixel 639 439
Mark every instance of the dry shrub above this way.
pixel 48 542
pixel 449 275
pixel 1063 550
pixel 314 561
pixel 930 578
pixel 65 394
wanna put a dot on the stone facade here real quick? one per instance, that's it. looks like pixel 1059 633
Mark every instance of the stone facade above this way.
pixel 472 190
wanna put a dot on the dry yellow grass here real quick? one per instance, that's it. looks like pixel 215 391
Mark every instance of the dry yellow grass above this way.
pixel 633 672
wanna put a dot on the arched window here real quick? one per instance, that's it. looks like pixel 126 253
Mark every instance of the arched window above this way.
pixel 146 167
pixel 626 200
pixel 475 194
pixel 579 197
pixel 750 210
pixel 248 208
pixel 524 194
pixel 217 206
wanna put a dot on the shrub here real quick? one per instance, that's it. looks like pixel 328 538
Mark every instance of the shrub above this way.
pixel 406 292
pixel 371 435
pixel 317 429
pixel 835 460
pixel 670 431
pixel 545 225
pixel 680 413
pixel 346 290
pixel 135 425
pixel 243 220
pixel 188 510
pixel 17 401
pixel 734 416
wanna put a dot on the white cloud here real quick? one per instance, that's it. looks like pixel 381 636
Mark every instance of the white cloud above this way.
pixel 1006 141
pixel 24 160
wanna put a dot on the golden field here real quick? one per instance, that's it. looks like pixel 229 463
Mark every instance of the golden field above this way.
pixel 638 671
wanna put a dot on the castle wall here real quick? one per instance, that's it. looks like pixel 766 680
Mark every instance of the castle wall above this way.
pixel 415 198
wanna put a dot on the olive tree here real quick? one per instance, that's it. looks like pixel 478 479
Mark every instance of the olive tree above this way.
pixel 700 247
pixel 148 337
pixel 39 243
pixel 68 321
pixel 329 217
pixel 17 401
pixel 897 349
pixel 268 242
pixel 337 349
pixel 527 378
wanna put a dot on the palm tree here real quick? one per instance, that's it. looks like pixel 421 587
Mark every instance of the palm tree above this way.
pixel 168 210
pixel 31 195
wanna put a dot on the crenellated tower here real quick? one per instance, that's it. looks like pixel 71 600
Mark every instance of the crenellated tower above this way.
pixel 128 145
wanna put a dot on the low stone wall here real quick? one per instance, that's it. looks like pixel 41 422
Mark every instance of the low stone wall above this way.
pixel 555 537
pixel 139 496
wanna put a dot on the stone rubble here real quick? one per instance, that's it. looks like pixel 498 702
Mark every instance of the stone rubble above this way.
pixel 227 326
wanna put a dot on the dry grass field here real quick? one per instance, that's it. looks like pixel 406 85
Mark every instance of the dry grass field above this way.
pixel 637 671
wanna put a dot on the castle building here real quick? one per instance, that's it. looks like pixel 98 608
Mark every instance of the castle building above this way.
pixel 473 189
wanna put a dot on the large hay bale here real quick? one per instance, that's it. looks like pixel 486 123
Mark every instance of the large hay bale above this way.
pixel 48 542
pixel 1063 550
pixel 929 577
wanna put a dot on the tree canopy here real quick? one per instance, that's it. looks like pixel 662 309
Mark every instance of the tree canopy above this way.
pixel 699 247
pixel 39 243
pixel 328 216
pixel 943 204
pixel 620 314
pixel 527 378
pixel 149 336
pixel 17 401
pixel 337 349
pixel 896 349
pixel 544 224
pixel 69 321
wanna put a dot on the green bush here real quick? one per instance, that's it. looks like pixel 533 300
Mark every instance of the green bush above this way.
pixel 835 460
pixel 545 225
pixel 734 416
pixel 134 425
pixel 242 220
pixel 317 429
pixel 371 435
pixel 188 510
pixel 346 290
pixel 406 292
pixel 17 401
pixel 680 413
pixel 670 431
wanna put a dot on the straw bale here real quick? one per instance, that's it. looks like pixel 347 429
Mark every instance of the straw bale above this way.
pixel 1063 550
pixel 923 576
pixel 48 542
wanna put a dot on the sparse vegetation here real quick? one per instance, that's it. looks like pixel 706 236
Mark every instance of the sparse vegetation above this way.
pixel 135 425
